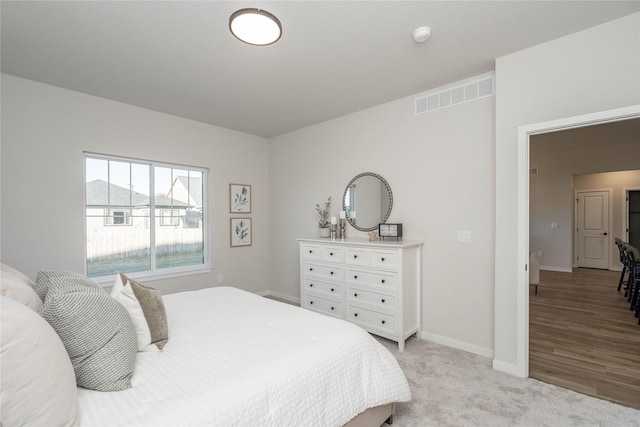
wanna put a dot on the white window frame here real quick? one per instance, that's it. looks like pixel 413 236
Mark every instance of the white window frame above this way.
pixel 153 273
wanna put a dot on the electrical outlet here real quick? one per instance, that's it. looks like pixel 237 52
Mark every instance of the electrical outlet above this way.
pixel 540 252
pixel 220 278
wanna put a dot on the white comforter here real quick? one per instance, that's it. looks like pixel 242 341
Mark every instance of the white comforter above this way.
pixel 237 359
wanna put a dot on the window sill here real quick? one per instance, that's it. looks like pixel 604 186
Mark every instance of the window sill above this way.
pixel 147 276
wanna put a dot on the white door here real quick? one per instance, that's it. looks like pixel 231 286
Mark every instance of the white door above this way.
pixel 593 229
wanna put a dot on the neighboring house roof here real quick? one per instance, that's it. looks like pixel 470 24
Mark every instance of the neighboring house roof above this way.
pixel 182 185
pixel 101 193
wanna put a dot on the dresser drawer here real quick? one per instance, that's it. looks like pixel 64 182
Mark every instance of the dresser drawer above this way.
pixel 321 253
pixel 323 305
pixel 372 320
pixel 357 256
pixel 384 301
pixel 380 258
pixel 323 287
pixel 384 258
pixel 333 272
pixel 369 277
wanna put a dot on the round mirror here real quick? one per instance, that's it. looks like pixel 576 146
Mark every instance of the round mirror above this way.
pixel 367 201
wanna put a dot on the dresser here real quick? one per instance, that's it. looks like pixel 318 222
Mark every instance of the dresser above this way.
pixel 376 285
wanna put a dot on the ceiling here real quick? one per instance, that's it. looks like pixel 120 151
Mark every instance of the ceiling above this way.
pixel 334 58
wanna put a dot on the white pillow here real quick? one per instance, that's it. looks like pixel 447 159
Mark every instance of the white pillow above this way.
pixel 17 286
pixel 146 309
pixel 38 382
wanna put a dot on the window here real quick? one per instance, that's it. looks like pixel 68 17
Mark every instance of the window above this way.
pixel 117 217
pixel 169 217
pixel 143 216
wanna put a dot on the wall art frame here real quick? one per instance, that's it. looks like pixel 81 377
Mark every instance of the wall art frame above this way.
pixel 239 198
pixel 240 232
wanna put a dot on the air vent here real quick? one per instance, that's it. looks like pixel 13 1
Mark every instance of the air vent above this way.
pixel 469 91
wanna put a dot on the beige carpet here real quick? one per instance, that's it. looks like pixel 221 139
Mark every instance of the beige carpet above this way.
pixel 455 388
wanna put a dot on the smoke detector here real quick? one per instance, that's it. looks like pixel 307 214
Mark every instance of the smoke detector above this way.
pixel 422 34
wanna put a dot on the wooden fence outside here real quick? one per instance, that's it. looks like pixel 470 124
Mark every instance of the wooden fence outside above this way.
pixel 128 243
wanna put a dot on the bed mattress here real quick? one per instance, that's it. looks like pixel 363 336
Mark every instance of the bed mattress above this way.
pixel 237 359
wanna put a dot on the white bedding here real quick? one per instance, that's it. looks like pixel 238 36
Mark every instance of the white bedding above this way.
pixel 237 359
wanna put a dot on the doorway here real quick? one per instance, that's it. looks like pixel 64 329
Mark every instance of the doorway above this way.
pixel 522 216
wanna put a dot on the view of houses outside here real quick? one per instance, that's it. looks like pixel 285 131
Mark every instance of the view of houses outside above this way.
pixel 128 230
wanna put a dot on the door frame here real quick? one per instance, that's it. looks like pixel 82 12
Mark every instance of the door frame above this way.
pixel 522 213
pixel 575 224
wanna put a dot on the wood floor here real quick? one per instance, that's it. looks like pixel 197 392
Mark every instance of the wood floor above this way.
pixel 583 337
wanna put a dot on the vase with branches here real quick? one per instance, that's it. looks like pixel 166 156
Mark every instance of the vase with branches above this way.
pixel 323 217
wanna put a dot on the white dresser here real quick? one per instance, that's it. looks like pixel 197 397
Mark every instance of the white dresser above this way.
pixel 373 284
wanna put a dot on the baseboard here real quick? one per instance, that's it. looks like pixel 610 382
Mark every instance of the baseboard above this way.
pixel 507 368
pixel 560 269
pixel 460 345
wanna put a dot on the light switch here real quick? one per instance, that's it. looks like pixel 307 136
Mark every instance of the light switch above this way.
pixel 464 236
pixel 554 225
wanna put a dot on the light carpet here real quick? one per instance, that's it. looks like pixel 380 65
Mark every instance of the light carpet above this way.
pixel 454 388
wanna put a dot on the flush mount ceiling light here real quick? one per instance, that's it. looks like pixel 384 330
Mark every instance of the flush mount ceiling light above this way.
pixel 422 34
pixel 255 26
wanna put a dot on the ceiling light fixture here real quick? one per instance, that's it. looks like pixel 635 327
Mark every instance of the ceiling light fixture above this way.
pixel 422 34
pixel 255 26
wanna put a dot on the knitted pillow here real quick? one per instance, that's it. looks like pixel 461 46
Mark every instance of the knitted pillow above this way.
pixel 44 279
pixel 146 308
pixel 96 331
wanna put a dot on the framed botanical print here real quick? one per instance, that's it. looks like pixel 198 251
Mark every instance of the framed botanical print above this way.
pixel 239 198
pixel 240 229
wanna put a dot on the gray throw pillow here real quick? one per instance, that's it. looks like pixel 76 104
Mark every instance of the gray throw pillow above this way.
pixel 96 331
pixel 146 308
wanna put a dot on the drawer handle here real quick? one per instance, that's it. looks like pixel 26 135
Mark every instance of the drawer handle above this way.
pixel 310 269
pixel 382 280
pixel 310 252
pixel 331 253
pixel 311 285
pixel 382 259
pixel 331 273
pixel 383 300
pixel 355 314
pixel 331 308
pixel 311 302
pixel 355 257
pixel 355 295
pixel 355 277
pixel 331 289
pixel 383 322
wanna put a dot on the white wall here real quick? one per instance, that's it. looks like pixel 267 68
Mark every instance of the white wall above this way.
pixel 440 169
pixel 561 155
pixel 593 70
pixel 45 130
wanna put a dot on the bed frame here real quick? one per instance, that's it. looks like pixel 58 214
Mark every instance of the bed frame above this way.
pixel 375 416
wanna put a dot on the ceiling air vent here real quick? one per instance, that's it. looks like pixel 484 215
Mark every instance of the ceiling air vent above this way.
pixel 470 90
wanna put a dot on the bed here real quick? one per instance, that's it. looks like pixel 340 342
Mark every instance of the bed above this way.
pixel 237 359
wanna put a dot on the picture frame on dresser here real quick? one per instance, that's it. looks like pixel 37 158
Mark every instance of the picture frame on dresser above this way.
pixel 239 198
pixel 240 231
